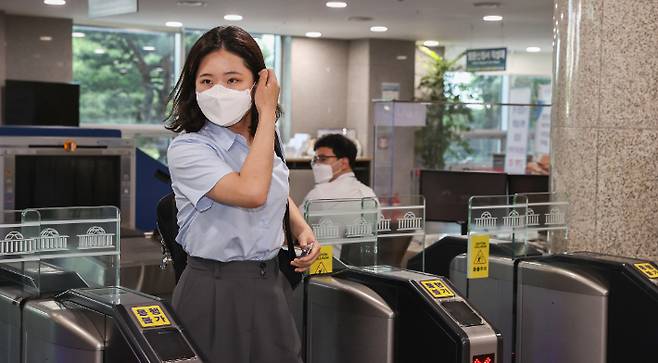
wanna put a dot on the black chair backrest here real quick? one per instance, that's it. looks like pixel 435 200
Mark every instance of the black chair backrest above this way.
pixel 168 228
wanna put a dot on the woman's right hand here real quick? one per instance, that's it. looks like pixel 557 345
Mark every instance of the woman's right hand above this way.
pixel 267 92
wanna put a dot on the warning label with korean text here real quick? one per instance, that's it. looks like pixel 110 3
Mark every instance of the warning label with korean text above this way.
pixel 324 263
pixel 478 256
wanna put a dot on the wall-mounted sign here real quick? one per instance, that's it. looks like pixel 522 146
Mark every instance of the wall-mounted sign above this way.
pixel 494 59
pixel 390 91
pixel 99 8
pixel 517 131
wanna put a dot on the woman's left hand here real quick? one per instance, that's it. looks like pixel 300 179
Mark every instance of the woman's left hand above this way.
pixel 305 239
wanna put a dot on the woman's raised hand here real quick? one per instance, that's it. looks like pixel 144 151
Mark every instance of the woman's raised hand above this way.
pixel 267 92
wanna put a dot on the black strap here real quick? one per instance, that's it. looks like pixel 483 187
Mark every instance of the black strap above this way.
pixel 286 218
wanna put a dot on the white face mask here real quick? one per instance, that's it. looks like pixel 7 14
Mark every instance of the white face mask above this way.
pixel 322 173
pixel 224 106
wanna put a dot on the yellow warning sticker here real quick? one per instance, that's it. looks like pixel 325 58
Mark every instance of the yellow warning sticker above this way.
pixel 150 316
pixel 324 263
pixel 648 269
pixel 437 288
pixel 478 256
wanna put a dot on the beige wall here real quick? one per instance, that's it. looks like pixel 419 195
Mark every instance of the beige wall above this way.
pixel 358 87
pixel 319 84
pixel 3 62
pixel 334 82
pixel 29 58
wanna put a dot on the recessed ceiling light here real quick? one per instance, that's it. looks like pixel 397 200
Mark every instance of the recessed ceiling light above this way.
pixel 78 35
pixel 174 24
pixel 99 51
pixel 232 17
pixel 492 18
pixel 45 38
pixel 431 43
pixel 54 2
pixel 148 48
pixel 378 29
pixel 401 57
pixel 313 34
pixel 190 3
pixel 336 4
pixel 533 49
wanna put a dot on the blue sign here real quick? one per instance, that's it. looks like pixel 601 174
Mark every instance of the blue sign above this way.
pixel 494 59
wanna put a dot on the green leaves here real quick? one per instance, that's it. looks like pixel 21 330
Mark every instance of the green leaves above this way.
pixel 447 117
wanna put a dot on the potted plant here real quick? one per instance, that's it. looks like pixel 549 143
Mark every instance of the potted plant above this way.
pixel 447 117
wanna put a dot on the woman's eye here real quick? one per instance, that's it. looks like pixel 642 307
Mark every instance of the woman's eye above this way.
pixel 233 81
pixel 206 81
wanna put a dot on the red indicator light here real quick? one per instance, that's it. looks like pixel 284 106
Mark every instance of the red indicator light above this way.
pixel 485 358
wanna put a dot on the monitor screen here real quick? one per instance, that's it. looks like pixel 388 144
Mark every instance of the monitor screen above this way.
pixel 41 103
pixel 447 192
pixel 527 184
pixel 67 180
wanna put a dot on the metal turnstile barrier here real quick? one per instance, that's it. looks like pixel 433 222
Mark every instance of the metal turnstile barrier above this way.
pixel 384 314
pixel 568 308
pixel 58 300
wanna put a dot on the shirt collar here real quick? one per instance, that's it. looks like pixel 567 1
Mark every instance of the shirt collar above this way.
pixel 224 137
pixel 346 175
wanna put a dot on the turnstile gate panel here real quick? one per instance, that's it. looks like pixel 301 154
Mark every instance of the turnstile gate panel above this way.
pixel 109 324
pixel 429 320
pixel 10 324
pixel 561 314
pixel 493 296
pixel 632 310
pixel 347 322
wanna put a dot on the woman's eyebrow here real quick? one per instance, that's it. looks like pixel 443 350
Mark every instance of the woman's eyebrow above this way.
pixel 230 73
pixel 205 75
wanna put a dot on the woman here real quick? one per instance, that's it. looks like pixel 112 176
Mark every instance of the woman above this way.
pixel 231 193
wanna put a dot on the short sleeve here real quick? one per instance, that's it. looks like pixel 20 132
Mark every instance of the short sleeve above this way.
pixel 195 168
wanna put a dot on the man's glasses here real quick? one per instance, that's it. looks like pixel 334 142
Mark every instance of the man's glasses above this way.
pixel 321 158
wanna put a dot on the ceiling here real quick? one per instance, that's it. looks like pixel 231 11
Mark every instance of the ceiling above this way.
pixel 452 22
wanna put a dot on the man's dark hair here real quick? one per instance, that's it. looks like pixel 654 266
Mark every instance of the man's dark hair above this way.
pixel 340 145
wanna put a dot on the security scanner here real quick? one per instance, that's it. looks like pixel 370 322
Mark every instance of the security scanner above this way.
pixel 60 298
pixel 377 313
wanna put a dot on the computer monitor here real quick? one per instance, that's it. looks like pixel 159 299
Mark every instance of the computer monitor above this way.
pixel 41 103
pixel 447 192
pixel 517 184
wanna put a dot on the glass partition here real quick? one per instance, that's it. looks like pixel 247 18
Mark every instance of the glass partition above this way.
pixel 400 229
pixel 502 218
pixel 546 221
pixel 50 250
pixel 502 137
pixel 349 225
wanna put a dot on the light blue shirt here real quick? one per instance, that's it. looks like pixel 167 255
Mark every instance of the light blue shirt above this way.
pixel 211 230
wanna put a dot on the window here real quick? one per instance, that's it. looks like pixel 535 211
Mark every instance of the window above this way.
pixel 125 76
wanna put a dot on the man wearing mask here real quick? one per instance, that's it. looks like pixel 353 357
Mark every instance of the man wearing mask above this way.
pixel 335 156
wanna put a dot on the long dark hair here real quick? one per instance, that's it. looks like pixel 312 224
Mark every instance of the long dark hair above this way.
pixel 185 113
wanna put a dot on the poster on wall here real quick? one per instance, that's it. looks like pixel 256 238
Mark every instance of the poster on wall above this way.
pixel 543 128
pixel 493 59
pixel 517 131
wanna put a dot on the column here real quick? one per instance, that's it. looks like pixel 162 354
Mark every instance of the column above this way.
pixel 605 123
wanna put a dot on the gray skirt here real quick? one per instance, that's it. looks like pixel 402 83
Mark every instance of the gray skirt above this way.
pixel 238 312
